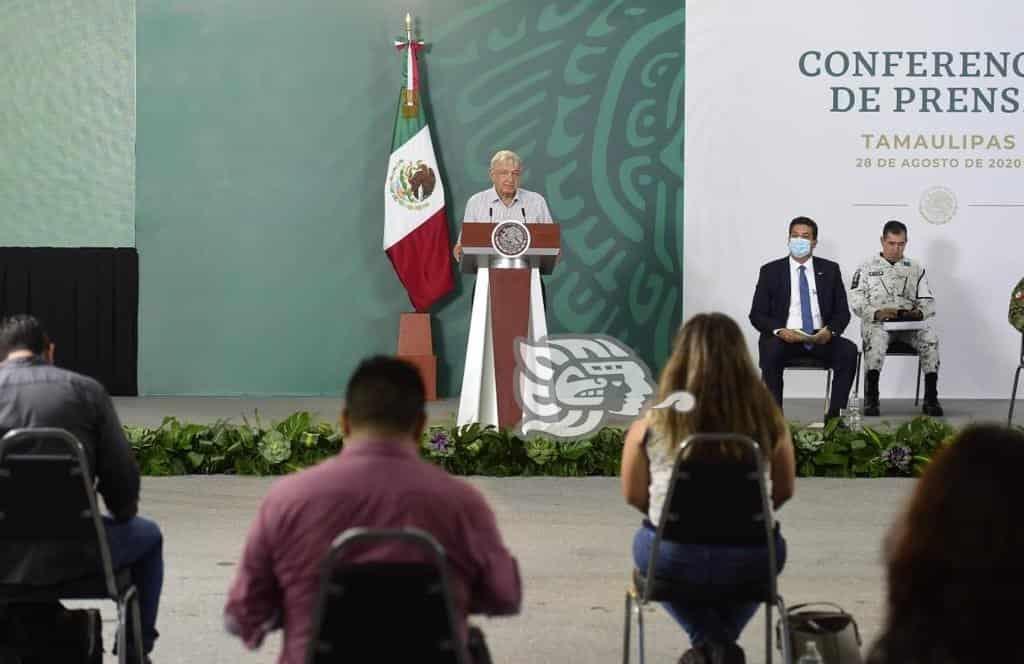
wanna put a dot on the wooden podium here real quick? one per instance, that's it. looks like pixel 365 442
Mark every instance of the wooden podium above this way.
pixel 508 258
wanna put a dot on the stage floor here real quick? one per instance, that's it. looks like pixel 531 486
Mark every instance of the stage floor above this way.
pixel 150 411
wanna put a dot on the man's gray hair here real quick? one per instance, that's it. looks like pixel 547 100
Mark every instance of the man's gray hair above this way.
pixel 501 156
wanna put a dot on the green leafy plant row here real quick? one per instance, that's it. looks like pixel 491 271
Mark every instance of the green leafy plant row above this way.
pixel 255 448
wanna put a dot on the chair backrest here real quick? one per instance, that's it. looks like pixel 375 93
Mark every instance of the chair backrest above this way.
pixel 385 611
pixel 51 528
pixel 714 500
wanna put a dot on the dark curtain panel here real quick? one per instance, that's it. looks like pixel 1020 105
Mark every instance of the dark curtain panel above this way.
pixel 88 299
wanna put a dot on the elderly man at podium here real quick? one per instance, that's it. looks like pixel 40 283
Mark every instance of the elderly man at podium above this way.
pixel 505 200
pixel 508 240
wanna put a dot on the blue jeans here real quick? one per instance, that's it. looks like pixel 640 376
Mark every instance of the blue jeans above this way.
pixel 713 567
pixel 139 545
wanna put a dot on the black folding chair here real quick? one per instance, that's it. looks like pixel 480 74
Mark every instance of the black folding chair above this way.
pixel 712 502
pixel 385 611
pixel 808 363
pixel 47 498
pixel 899 348
pixel 1016 378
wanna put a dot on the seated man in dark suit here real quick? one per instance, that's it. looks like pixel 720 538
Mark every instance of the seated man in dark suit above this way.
pixel 800 309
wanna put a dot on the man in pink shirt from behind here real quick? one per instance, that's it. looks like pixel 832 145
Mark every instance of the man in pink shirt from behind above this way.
pixel 378 481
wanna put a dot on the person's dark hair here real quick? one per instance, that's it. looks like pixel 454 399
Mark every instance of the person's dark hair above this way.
pixel 22 332
pixel 805 221
pixel 385 394
pixel 893 227
pixel 955 559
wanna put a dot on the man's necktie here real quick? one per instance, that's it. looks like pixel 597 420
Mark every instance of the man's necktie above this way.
pixel 805 305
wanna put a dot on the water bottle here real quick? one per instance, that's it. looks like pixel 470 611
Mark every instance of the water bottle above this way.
pixel 811 655
pixel 853 420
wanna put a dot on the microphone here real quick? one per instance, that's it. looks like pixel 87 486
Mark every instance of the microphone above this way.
pixel 524 214
pixel 490 214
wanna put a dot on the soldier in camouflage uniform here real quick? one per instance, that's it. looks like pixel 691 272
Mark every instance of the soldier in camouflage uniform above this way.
pixel 890 287
pixel 1017 306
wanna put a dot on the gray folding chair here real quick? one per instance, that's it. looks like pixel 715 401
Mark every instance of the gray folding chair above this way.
pixel 47 496
pixel 386 611
pixel 1016 378
pixel 712 503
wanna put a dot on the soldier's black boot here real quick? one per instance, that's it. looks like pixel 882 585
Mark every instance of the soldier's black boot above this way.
pixel 931 395
pixel 871 393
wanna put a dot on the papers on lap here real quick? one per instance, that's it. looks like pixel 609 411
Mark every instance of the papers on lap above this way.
pixel 896 326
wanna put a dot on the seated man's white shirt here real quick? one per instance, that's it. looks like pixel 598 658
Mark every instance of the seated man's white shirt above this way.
pixel 796 318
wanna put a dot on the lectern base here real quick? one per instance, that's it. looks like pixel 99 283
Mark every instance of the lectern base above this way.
pixel 481 398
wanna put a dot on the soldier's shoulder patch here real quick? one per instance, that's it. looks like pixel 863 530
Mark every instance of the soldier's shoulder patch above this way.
pixel 1019 295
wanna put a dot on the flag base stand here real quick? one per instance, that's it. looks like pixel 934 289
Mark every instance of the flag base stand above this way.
pixel 416 346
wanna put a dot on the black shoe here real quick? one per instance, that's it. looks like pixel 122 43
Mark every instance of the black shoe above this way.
pixel 871 394
pixel 931 405
pixel 724 653
pixel 694 656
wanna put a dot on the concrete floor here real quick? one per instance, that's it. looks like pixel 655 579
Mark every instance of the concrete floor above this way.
pixel 572 538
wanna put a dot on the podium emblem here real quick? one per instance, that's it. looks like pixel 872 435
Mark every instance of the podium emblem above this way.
pixel 511 239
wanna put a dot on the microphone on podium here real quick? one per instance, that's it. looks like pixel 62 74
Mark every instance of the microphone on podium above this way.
pixel 524 214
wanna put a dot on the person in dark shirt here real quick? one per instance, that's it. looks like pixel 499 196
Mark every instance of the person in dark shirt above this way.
pixel 35 393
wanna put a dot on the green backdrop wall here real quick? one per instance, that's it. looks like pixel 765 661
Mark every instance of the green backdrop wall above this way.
pixel 67 123
pixel 263 138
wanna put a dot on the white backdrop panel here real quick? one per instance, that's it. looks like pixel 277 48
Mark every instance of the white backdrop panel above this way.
pixel 763 145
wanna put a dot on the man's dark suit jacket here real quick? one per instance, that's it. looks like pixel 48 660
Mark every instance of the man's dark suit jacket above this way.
pixel 770 309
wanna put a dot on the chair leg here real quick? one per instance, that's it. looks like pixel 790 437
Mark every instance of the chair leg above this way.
pixel 122 631
pixel 768 632
pixel 828 390
pixel 136 613
pixel 784 638
pixel 917 389
pixel 639 608
pixel 1013 395
pixel 625 628
pixel 856 377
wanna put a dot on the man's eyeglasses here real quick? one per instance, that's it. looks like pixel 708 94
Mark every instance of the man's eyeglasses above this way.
pixel 505 174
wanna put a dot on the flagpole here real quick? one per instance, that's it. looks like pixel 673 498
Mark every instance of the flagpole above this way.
pixel 415 342
pixel 410 55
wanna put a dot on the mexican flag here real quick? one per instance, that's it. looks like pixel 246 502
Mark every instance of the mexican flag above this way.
pixel 415 226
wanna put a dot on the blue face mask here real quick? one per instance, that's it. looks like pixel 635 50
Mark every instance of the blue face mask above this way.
pixel 799 246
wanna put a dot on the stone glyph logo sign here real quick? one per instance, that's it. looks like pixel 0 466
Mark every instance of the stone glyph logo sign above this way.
pixel 568 385
pixel 412 183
